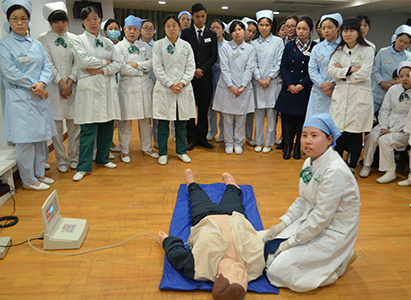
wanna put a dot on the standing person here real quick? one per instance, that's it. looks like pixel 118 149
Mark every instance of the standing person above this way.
pixel 365 27
pixel 282 32
pixel 317 234
pixel 386 62
pixel 28 117
pixel 184 18
pixel 295 92
pixel 234 93
pixel 251 29
pixel 203 41
pixel 58 44
pixel 319 32
pixel 173 98
pixel 320 96
pixel 218 27
pixel 269 50
pixel 290 26
pixel 96 105
pixel 352 105
pixel 135 89
pixel 389 134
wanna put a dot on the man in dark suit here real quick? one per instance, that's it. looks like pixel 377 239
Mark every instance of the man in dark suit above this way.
pixel 204 44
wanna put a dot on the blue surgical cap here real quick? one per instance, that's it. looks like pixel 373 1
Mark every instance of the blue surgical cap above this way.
pixel 184 12
pixel 133 21
pixel 325 123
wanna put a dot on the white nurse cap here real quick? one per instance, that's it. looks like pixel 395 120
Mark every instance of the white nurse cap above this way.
pixel 7 3
pixel 248 20
pixel 335 16
pixel 403 64
pixel 52 7
pixel 227 27
pixel 266 13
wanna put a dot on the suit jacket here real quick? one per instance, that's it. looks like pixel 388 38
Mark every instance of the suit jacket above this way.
pixel 205 55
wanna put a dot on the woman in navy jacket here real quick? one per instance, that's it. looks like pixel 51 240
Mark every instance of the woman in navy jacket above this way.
pixel 293 99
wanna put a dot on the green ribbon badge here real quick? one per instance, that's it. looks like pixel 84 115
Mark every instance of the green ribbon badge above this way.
pixel 306 174
pixel 60 41
pixel 132 49
pixel 170 49
pixel 99 43
pixel 404 96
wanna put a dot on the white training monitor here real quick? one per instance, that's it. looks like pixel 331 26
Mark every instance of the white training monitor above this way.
pixel 61 233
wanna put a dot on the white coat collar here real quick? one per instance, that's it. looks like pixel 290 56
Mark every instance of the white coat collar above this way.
pixel 268 39
pixel 348 50
pixel 92 36
pixel 235 46
pixel 323 158
pixel 56 34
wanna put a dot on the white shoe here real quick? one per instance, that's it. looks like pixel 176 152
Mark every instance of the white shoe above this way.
pixel 152 154
pixel 111 156
pixel 73 165
pixel 406 182
pixel 251 142
pixel 41 187
pixel 115 149
pixel 220 139
pixel 278 142
pixel 125 159
pixel 209 137
pixel 346 263
pixel 110 165
pixel 47 166
pixel 62 168
pixel 79 175
pixel 387 177
pixel 229 150
pixel 238 150
pixel 258 149
pixel 266 149
pixel 184 157
pixel 365 171
pixel 162 160
pixel 46 180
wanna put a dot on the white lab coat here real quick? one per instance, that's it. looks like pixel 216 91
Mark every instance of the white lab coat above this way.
pixel 352 102
pixel 322 226
pixel 237 63
pixel 64 67
pixel 172 64
pixel 97 95
pixel 135 86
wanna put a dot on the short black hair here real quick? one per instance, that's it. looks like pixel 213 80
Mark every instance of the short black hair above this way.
pixel 87 10
pixel 307 20
pixel 281 24
pixel 15 7
pixel 291 17
pixel 174 17
pixel 234 25
pixel 57 15
pixel 198 7
pixel 365 18
pixel 148 20
pixel 219 22
pixel 109 21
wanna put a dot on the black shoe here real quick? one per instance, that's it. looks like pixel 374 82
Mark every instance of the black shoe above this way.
pixel 205 144
pixel 190 146
pixel 297 152
pixel 287 152
pixel 280 146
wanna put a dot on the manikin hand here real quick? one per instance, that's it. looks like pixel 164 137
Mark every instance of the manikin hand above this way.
pixel 162 236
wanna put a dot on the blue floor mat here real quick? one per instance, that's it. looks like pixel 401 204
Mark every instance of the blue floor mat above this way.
pixel 180 227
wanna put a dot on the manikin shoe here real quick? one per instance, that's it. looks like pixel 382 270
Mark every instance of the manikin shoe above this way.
pixel 115 149
pixel 229 149
pixel 405 182
pixel 111 156
pixel 258 149
pixel 73 165
pixel 184 157
pixel 162 160
pixel 46 180
pixel 79 175
pixel 238 150
pixel 151 154
pixel 387 177
pixel 41 187
pixel 125 159
pixel 365 172
pixel 266 149
pixel 62 168
pixel 47 166
pixel 348 261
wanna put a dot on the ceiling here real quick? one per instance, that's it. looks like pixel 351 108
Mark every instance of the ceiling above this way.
pixel 313 8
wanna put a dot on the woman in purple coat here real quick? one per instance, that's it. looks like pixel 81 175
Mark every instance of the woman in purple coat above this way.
pixel 293 99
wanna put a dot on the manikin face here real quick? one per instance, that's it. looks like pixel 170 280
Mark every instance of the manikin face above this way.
pixel 250 32
pixel 185 21
pixel 59 27
pixel 329 30
pixel 264 26
pixel 405 78
pixel 19 22
pixel 303 30
pixel 131 33
pixel 314 142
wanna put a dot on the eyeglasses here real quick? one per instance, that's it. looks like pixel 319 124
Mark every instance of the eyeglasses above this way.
pixel 148 28
pixel 16 20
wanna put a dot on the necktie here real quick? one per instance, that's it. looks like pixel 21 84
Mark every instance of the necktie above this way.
pixel 132 49
pixel 306 174
pixel 200 37
pixel 60 41
pixel 99 43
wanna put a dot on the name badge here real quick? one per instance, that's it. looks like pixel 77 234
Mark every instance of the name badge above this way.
pixel 260 49
pixel 23 58
pixel 207 40
pixel 235 55
pixel 108 48
pixel 387 61
pixel 143 49
pixel 320 58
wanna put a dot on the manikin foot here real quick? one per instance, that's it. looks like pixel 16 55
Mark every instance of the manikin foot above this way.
pixel 188 176
pixel 229 179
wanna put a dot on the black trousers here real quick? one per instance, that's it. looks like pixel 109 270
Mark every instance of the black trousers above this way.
pixel 292 128
pixel 201 205
pixel 352 143
pixel 203 92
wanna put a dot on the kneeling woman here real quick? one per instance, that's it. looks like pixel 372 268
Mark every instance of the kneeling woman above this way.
pixel 319 230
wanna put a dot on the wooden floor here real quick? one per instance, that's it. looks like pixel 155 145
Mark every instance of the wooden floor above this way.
pixel 139 198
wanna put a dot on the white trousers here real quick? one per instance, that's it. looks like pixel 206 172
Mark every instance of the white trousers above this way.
pixel 271 126
pixel 387 144
pixel 73 131
pixel 249 125
pixel 212 123
pixel 125 130
pixel 31 158
pixel 234 130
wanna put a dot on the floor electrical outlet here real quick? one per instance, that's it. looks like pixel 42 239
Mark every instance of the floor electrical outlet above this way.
pixel 4 241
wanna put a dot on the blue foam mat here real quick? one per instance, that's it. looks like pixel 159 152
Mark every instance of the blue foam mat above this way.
pixel 180 227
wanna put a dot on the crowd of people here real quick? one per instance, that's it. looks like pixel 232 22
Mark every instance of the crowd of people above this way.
pixel 194 78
